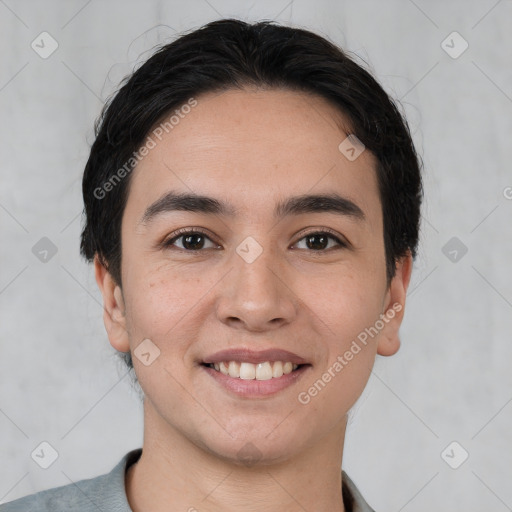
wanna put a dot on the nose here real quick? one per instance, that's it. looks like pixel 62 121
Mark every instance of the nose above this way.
pixel 255 295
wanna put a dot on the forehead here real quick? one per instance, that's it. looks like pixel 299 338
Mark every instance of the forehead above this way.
pixel 252 146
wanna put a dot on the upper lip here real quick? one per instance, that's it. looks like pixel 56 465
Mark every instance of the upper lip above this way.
pixel 251 356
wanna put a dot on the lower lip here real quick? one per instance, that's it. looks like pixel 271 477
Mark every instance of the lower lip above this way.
pixel 253 388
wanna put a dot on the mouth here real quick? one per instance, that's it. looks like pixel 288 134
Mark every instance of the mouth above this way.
pixel 245 370
pixel 247 373
pixel 255 380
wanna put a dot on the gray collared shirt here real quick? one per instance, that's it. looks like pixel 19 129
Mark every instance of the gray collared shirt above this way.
pixel 107 493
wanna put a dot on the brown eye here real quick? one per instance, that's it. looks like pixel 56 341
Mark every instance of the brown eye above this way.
pixel 191 240
pixel 319 241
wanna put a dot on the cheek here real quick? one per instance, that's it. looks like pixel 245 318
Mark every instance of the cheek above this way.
pixel 348 308
pixel 156 304
pixel 169 308
pixel 352 354
pixel 160 310
pixel 346 303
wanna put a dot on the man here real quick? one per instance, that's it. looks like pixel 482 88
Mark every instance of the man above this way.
pixel 252 204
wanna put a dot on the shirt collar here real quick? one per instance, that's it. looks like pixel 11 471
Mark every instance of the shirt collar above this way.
pixel 352 498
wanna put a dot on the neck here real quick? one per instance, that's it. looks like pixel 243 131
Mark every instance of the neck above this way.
pixel 173 469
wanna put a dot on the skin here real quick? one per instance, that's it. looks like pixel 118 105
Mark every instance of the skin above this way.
pixel 251 148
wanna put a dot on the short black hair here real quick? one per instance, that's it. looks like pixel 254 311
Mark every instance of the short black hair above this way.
pixel 228 54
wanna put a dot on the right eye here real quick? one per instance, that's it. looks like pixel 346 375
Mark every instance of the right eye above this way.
pixel 193 240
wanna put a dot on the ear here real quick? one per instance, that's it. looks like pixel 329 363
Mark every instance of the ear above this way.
pixel 389 340
pixel 113 307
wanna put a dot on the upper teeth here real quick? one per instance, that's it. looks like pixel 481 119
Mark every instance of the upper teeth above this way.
pixel 259 371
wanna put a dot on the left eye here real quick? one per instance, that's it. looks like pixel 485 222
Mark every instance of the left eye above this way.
pixel 320 239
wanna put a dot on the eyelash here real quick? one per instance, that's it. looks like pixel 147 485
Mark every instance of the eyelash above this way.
pixel 168 243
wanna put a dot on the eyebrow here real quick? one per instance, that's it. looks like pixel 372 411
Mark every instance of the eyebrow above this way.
pixel 297 205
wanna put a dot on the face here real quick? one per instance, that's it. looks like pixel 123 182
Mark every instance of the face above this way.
pixel 253 276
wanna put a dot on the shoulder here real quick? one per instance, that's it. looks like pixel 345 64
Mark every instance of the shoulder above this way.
pixel 352 498
pixel 104 492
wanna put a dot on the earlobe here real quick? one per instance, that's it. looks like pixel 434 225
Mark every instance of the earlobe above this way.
pixel 113 307
pixel 389 339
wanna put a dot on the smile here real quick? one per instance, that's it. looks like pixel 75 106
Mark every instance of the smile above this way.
pixel 245 382
pixel 260 371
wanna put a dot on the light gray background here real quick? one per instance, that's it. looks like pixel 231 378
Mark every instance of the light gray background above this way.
pixel 60 381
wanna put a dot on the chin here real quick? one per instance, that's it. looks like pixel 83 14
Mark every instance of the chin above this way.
pixel 251 451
